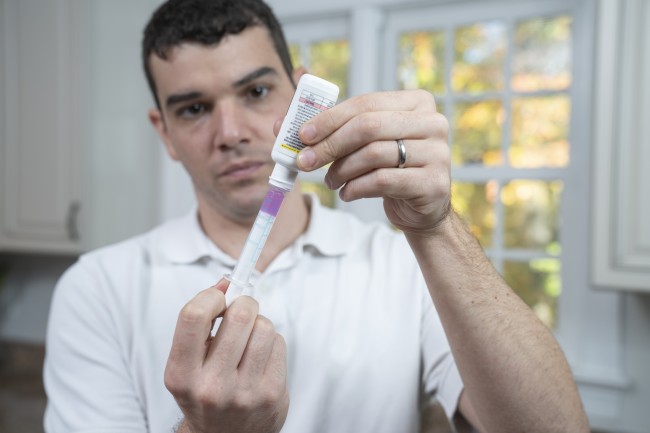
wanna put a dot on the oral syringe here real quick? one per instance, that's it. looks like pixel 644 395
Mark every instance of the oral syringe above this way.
pixel 312 96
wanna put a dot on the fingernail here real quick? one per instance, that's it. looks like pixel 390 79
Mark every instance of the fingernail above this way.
pixel 306 159
pixel 308 132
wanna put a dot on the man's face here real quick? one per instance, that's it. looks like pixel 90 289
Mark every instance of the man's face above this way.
pixel 218 107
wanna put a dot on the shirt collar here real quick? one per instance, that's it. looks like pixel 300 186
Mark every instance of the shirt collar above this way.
pixel 329 231
pixel 183 241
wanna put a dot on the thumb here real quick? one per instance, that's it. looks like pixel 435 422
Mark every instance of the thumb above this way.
pixel 222 285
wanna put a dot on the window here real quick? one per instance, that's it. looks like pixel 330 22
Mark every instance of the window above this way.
pixel 504 86
pixel 515 81
pixel 481 61
pixel 328 59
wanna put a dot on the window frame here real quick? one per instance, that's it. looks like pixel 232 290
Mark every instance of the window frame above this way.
pixel 590 322
pixel 447 22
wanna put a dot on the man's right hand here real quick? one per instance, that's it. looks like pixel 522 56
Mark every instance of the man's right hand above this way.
pixel 234 381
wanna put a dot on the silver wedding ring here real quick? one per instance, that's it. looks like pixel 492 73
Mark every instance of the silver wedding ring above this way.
pixel 402 153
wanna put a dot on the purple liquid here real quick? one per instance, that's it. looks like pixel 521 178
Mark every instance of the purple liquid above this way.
pixel 272 201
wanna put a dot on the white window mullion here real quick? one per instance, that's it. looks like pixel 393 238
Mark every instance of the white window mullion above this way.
pixel 365 23
pixel 365 74
pixel 506 131
pixel 496 252
pixel 450 42
pixel 506 136
pixel 305 55
pixel 482 174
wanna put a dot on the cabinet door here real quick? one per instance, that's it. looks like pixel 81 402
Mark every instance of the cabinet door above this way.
pixel 40 123
pixel 621 231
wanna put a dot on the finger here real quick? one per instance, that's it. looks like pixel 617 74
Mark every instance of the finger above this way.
pixel 193 329
pixel 421 183
pixel 379 154
pixel 232 336
pixel 366 128
pixel 323 124
pixel 222 285
pixel 276 367
pixel 259 348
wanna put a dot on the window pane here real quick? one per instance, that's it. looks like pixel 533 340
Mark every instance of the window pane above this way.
pixel 540 128
pixel 440 106
pixel 475 203
pixel 538 283
pixel 531 214
pixel 479 56
pixel 330 60
pixel 477 133
pixel 542 54
pixel 422 61
pixel 296 58
pixel 326 196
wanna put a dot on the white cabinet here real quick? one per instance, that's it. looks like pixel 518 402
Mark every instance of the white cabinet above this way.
pixel 78 158
pixel 41 119
pixel 621 229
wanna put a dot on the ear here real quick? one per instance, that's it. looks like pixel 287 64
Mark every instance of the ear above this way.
pixel 297 73
pixel 156 119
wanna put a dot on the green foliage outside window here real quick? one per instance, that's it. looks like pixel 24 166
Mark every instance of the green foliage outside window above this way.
pixel 328 59
pixel 479 55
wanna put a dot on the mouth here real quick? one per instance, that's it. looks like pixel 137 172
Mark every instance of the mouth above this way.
pixel 241 170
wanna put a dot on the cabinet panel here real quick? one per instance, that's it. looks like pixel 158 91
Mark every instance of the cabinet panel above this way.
pixel 42 118
pixel 621 230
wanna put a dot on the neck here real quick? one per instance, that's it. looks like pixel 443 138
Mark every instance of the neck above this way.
pixel 230 234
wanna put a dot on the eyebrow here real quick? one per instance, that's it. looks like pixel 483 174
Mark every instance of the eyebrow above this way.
pixel 257 73
pixel 188 96
pixel 181 97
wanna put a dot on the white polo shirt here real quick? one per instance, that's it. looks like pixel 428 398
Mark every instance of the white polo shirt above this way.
pixel 365 347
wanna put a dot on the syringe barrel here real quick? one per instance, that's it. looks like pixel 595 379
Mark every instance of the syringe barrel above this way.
pixel 258 235
pixel 312 96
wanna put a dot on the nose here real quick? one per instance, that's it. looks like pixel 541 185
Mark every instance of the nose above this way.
pixel 230 124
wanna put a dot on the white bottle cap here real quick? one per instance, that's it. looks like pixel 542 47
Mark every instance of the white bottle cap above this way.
pixel 282 177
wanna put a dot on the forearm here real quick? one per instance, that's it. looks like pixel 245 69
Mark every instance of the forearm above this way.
pixel 514 372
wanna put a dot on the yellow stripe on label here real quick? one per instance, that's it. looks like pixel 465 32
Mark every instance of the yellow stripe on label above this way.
pixel 289 148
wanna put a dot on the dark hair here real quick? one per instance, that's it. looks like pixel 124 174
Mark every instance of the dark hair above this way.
pixel 207 22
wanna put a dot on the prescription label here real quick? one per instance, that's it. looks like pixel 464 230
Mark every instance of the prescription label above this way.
pixel 309 105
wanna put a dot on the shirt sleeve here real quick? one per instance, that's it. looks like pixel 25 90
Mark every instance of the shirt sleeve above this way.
pixel 441 378
pixel 86 373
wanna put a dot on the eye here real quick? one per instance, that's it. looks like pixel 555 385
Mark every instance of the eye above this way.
pixel 192 110
pixel 258 92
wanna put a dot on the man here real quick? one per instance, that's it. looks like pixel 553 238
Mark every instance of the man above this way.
pixel 342 334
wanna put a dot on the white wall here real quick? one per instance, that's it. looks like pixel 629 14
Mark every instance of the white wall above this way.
pixel 122 156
